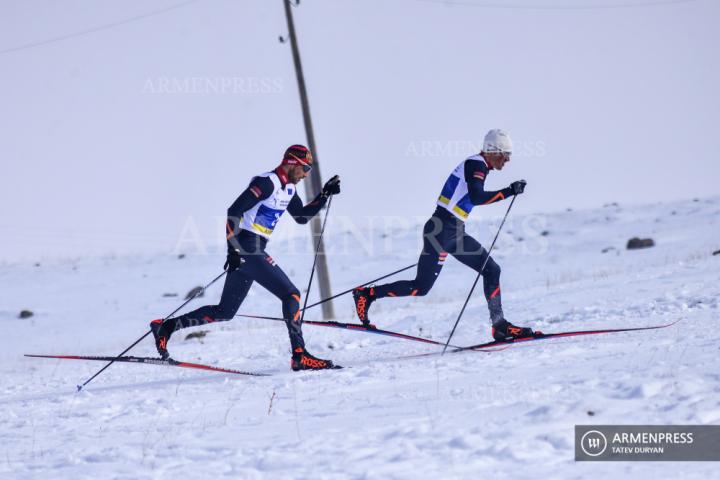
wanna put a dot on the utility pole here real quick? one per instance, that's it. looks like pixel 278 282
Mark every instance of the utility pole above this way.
pixel 313 187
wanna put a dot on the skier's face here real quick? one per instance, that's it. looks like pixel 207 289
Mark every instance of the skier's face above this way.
pixel 297 173
pixel 300 169
pixel 497 160
pixel 303 168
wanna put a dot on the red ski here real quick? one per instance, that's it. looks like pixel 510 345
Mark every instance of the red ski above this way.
pixel 154 361
pixel 502 345
pixel 546 336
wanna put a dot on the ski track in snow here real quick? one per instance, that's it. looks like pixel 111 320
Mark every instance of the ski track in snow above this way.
pixel 505 414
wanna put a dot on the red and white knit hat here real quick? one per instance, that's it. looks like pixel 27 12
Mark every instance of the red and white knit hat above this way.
pixel 297 155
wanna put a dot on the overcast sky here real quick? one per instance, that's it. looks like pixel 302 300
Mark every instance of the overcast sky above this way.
pixel 126 124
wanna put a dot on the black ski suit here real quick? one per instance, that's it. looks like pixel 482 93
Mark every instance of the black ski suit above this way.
pixel 444 234
pixel 257 265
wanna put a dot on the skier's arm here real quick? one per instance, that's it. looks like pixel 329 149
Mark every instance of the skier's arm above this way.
pixel 259 189
pixel 475 173
pixel 303 213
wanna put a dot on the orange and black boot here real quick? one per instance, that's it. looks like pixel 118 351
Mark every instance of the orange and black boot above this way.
pixel 504 331
pixel 302 360
pixel 162 331
pixel 364 297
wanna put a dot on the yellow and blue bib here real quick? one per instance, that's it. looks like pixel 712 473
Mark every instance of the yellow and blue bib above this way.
pixel 262 218
pixel 454 196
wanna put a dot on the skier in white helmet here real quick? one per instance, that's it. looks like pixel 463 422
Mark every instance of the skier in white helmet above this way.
pixel 445 233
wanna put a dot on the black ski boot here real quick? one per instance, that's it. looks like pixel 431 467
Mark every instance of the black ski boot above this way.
pixel 162 332
pixel 302 360
pixel 364 297
pixel 504 331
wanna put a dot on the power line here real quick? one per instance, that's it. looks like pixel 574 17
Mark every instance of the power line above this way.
pixel 569 6
pixel 97 29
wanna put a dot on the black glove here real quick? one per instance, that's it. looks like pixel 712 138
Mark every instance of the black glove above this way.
pixel 234 261
pixel 518 187
pixel 332 187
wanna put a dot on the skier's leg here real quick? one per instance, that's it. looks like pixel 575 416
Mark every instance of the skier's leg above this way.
pixel 237 285
pixel 429 266
pixel 268 274
pixel 432 258
pixel 472 254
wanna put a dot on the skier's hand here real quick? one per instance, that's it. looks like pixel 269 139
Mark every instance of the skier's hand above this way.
pixel 234 261
pixel 518 187
pixel 332 186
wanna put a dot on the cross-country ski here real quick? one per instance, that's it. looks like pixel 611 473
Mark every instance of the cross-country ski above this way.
pixel 495 345
pixel 546 336
pixel 169 362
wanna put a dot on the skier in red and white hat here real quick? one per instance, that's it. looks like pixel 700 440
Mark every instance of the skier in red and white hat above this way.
pixel 251 220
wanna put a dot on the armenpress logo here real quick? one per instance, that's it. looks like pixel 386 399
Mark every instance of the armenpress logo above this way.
pixel 593 443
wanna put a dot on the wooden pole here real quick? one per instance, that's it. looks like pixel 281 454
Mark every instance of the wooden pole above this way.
pixel 315 185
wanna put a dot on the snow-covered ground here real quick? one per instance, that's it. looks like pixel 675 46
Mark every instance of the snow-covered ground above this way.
pixel 508 414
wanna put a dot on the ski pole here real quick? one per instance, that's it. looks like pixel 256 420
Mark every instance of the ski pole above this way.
pixel 334 296
pixel 79 387
pixel 317 250
pixel 478 276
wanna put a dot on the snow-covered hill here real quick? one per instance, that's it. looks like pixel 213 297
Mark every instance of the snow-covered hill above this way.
pixel 507 414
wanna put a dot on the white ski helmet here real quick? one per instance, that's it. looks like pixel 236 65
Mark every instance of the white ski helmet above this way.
pixel 497 140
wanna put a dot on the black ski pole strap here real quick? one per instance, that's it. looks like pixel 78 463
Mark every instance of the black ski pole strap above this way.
pixel 477 278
